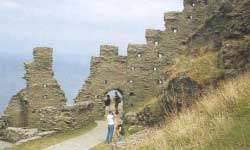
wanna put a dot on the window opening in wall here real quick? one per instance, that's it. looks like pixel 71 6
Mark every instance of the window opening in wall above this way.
pixel 183 43
pixel 131 81
pixel 175 30
pixel 139 55
pixel 160 81
pixel 45 85
pixel 133 68
pixel 190 17
pixel 156 43
pixel 160 55
pixel 45 97
pixel 105 82
pixel 155 68
pixel 193 4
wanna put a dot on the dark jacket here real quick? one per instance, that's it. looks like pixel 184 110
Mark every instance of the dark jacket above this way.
pixel 107 102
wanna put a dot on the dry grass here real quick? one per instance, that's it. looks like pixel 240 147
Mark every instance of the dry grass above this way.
pixel 219 121
pixel 200 68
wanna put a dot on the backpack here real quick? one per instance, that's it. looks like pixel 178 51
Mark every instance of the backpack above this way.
pixel 117 99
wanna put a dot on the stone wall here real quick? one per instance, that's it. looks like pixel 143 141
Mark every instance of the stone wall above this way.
pixel 139 74
pixel 107 72
pixel 42 90
pixel 66 118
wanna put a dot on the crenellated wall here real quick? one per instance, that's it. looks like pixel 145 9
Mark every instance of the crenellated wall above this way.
pixel 139 74
pixel 107 72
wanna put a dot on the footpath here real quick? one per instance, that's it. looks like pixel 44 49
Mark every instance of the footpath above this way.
pixel 85 141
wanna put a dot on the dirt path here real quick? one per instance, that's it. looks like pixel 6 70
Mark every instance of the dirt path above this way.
pixel 89 139
pixel 85 141
pixel 4 145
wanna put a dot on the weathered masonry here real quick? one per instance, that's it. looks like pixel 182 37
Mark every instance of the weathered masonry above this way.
pixel 42 104
pixel 42 90
pixel 107 72
pixel 139 74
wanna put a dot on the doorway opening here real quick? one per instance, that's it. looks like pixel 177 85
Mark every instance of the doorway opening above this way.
pixel 116 101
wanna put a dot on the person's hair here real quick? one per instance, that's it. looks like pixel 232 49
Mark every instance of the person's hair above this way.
pixel 119 126
pixel 108 96
pixel 117 112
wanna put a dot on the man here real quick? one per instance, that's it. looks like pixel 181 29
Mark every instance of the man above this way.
pixel 111 126
pixel 107 102
pixel 117 101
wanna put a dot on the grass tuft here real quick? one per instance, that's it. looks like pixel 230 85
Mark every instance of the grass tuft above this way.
pixel 219 121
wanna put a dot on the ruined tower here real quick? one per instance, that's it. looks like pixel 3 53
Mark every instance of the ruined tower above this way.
pixel 107 72
pixel 42 90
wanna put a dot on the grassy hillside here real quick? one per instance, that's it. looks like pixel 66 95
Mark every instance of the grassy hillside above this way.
pixel 220 120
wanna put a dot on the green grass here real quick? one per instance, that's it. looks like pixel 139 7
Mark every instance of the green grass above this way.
pixel 239 136
pixel 218 121
pixel 202 68
pixel 51 140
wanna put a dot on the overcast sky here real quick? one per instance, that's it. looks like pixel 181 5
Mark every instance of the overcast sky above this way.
pixel 79 26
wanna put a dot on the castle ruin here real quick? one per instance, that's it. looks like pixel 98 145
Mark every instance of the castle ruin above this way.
pixel 140 74
pixel 137 76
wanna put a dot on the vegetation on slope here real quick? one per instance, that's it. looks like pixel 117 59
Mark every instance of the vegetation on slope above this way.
pixel 201 66
pixel 219 121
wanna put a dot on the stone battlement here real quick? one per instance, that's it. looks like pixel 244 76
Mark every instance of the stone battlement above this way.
pixel 153 36
pixel 108 51
pixel 43 55
pixel 138 75
pixel 136 49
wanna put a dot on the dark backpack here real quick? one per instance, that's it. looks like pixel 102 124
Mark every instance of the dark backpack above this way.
pixel 107 102
pixel 117 99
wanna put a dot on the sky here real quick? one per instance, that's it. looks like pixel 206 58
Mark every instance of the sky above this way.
pixel 75 29
pixel 79 27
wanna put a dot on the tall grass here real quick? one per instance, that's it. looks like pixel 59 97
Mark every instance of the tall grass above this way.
pixel 219 121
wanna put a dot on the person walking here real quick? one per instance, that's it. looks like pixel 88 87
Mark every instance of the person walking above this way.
pixel 111 126
pixel 117 101
pixel 107 102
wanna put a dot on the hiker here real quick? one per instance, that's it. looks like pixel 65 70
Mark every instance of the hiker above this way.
pixel 107 103
pixel 119 133
pixel 111 125
pixel 117 101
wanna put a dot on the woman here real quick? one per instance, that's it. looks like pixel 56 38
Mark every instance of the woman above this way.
pixel 111 126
